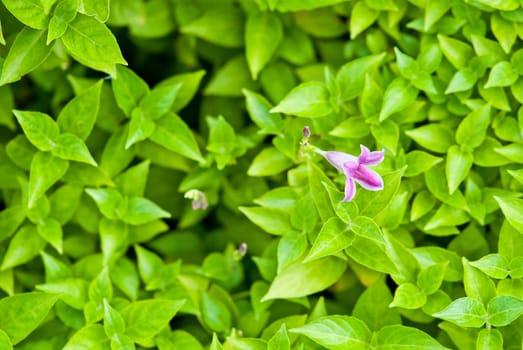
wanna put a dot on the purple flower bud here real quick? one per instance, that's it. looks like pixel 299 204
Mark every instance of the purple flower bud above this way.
pixel 306 132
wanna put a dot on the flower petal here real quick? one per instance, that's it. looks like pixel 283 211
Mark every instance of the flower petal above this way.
pixel 350 189
pixel 339 159
pixel 368 179
pixel 370 158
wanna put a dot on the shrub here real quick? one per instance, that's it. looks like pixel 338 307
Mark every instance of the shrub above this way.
pixel 261 174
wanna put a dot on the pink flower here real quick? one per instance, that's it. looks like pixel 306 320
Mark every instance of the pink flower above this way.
pixel 355 169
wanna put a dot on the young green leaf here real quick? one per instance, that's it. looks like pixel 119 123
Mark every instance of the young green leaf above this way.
pixel 25 55
pixel 457 52
pixel 71 147
pixel 334 236
pixel 269 162
pixel 114 323
pixel 271 220
pixel 303 279
pixel 45 171
pixel 63 14
pixel 215 313
pixel 220 25
pixel 494 265
pixel 91 43
pixel 41 130
pixel 146 318
pixel 128 89
pixel 408 296
pixel 398 95
pixel 351 76
pixel 51 230
pixel 457 166
pixel 419 162
pixel 259 111
pixel 159 101
pixel 512 208
pixel 263 33
pixel 190 83
pixel 172 133
pixel 503 310
pixel 79 115
pixel 24 246
pixel 280 340
pixel 141 127
pixel 337 332
pixel 308 100
pixel 402 337
pixel 502 74
pixel 464 312
pixel 23 313
pixel 89 337
pixel 141 210
pixel 472 130
pixel 362 17
pixel 31 13
pixel 434 137
pixel 490 339
pixel 477 284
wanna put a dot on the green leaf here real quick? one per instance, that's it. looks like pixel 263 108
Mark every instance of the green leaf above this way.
pixel 362 17
pixel 263 33
pixel 299 5
pixel 10 219
pixel 502 74
pixel 489 339
pixel 372 306
pixel 23 313
pixel 337 332
pixel 418 162
pixel 494 265
pixel 401 337
pixel 472 130
pixel 259 111
pixel 457 52
pixel 409 296
pixel 503 310
pixel 5 342
pixel 2 39
pixel 51 230
pixel 477 284
pixel 159 101
pixel 141 127
pixel 215 313
pixel 134 180
pixel 512 208
pixel 280 340
pixel 108 201
pixel 222 26
pixel 146 318
pixel 141 211
pixel 79 115
pixel 172 133
pixel 46 170
pixel 308 100
pixel 30 12
pixel 114 237
pixel 399 94
pixel 72 291
pixel 190 83
pixel 317 182
pixel 100 287
pixel 334 236
pixel 457 166
pixel 41 130
pixel 91 43
pixel 71 147
pixel 128 89
pixel 464 312
pixel 302 279
pixel 434 136
pixel 269 162
pixel 429 279
pixel 230 79
pixel 125 277
pixel 114 323
pixel 25 55
pixel 90 337
pixel 351 76
pixel 463 80
pixel 63 14
pixel 273 221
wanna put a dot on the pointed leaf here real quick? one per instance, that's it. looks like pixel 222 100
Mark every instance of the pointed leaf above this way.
pixel 308 100
pixel 71 147
pixel 41 130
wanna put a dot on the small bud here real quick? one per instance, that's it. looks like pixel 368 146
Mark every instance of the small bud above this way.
pixel 199 200
pixel 306 132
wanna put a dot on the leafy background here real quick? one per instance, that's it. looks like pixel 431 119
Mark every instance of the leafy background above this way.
pixel 111 110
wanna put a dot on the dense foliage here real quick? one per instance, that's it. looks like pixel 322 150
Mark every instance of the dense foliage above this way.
pixel 160 189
